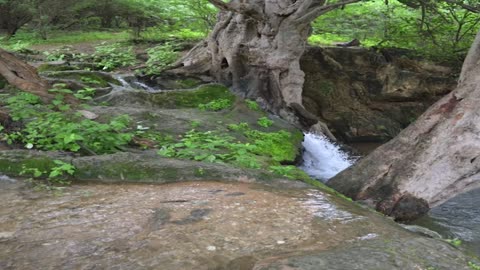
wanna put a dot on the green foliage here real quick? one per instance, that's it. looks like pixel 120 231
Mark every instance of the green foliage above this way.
pixel 216 105
pixel 160 33
pixel 18 46
pixel 47 129
pixel 200 146
pixel 148 139
pixel 192 99
pixel 160 57
pixel 252 105
pixel 239 127
pixel 85 93
pixel 198 15
pixel 56 175
pixel 22 106
pixel 454 242
pixel 443 32
pixel 279 146
pixel 260 150
pixel 25 38
pixel 34 172
pixel 14 14
pixel 65 53
pixel 56 131
pixel 195 124
pixel 473 266
pixel 61 169
pixel 289 171
pixel 111 56
pixel 264 122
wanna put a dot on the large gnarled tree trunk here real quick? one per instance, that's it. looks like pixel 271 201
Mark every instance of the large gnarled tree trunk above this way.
pixel 256 47
pixel 431 161
pixel 23 76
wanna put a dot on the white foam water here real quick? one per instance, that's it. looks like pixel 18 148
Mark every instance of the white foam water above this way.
pixel 322 159
pixel 145 87
pixel 121 80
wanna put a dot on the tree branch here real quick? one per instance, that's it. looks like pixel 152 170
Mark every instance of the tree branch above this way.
pixel 474 9
pixel 303 8
pixel 290 9
pixel 314 12
pixel 242 8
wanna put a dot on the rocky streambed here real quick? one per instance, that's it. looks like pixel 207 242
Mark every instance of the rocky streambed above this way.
pixel 193 214
pixel 204 225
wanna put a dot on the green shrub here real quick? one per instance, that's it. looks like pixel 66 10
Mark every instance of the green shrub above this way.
pixel 55 127
pixel 454 242
pixel 56 174
pixel 279 146
pixel 264 122
pixel 57 131
pixel 23 105
pixel 160 57
pixel 252 105
pixel 239 127
pixel 162 34
pixel 260 150
pixel 111 56
pixel 473 266
pixel 216 105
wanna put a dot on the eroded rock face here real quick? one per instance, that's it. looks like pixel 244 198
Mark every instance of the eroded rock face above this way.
pixel 366 96
pixel 204 225
pixel 431 161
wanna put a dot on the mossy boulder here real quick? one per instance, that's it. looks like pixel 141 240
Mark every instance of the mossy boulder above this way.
pixel 191 98
pixel 145 167
pixel 163 120
pixel 174 99
pixel 14 162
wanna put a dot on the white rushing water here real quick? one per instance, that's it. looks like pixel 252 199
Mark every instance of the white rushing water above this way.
pixel 128 81
pixel 322 159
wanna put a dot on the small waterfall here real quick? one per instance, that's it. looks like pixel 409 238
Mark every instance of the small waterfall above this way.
pixel 322 159
pixel 121 80
pixel 128 81
pixel 145 87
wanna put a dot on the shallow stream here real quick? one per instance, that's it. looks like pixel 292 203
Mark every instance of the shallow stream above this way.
pixel 196 225
pixel 458 218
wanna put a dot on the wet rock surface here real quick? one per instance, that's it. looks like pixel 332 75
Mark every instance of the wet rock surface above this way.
pixel 201 225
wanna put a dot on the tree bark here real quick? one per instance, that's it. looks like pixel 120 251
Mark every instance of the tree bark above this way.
pixel 23 76
pixel 431 161
pixel 256 47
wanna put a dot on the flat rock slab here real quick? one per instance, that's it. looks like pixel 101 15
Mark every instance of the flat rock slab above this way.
pixel 203 225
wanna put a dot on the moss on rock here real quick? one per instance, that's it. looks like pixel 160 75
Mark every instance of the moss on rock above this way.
pixel 191 98
pixel 13 162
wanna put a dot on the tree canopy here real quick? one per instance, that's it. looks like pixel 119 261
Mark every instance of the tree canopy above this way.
pixel 435 28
